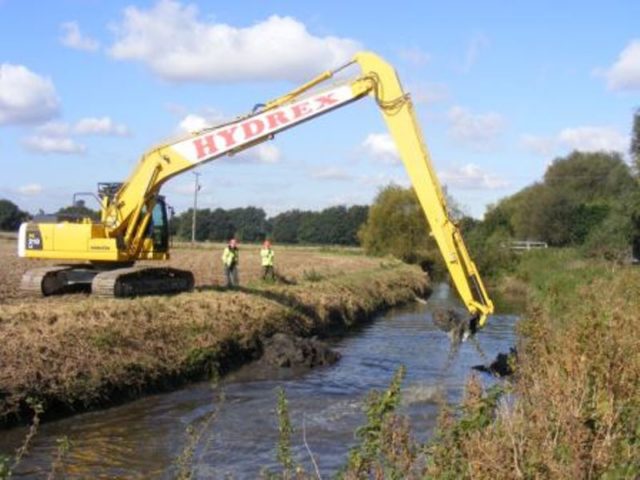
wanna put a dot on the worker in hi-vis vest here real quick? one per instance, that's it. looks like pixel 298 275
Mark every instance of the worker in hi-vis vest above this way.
pixel 266 254
pixel 230 259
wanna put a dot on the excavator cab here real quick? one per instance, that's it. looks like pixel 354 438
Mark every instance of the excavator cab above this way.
pixel 158 229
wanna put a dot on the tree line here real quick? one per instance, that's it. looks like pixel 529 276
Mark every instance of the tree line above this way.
pixel 337 225
pixel 334 225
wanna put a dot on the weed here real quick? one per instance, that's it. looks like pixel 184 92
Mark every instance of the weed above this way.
pixel 284 439
pixel 63 447
pixel 194 434
pixel 8 464
pixel 367 458
pixel 576 405
pixel 312 275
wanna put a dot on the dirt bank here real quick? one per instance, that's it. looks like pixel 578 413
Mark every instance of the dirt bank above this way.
pixel 78 354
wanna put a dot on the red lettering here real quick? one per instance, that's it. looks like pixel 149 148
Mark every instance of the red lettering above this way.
pixel 205 146
pixel 252 128
pixel 228 135
pixel 301 110
pixel 326 100
pixel 276 118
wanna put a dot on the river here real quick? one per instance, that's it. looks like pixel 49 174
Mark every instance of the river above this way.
pixel 142 439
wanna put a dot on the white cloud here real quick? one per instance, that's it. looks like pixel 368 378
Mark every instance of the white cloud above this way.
pixel 471 177
pixel 177 43
pixel 45 144
pixel 477 43
pixel 73 38
pixel 30 189
pixel 54 129
pixel 593 139
pixel 194 122
pixel 85 126
pixel 624 74
pixel 100 126
pixel 384 179
pixel 331 173
pixel 415 56
pixel 538 144
pixel 477 130
pixel 585 139
pixel 263 153
pixel 381 147
pixel 25 97
pixel 428 92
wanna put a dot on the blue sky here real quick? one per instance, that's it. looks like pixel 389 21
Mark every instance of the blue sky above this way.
pixel 501 89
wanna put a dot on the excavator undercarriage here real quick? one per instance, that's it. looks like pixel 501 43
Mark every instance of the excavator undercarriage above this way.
pixel 120 282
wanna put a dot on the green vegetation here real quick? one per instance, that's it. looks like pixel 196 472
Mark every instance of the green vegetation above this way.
pixel 589 200
pixel 285 431
pixel 331 226
pixel 397 226
pixel 77 212
pixel 634 150
pixel 372 456
pixel 195 434
pixel 576 406
pixel 8 464
pixel 11 216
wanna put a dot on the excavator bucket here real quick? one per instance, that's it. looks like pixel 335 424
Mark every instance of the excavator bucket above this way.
pixel 459 325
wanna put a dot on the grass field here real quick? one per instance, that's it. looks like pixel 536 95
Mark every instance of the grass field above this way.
pixel 293 263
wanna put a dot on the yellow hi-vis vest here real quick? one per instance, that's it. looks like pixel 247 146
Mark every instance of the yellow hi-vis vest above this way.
pixel 230 256
pixel 267 257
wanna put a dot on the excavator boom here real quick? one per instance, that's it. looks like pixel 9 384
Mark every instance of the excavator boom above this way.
pixel 127 213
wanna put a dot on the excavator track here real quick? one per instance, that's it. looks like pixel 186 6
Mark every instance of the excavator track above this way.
pixel 137 281
pixel 45 281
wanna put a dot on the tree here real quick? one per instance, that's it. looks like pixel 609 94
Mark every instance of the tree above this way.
pixel 577 195
pixel 590 176
pixel 250 223
pixel 77 212
pixel 635 141
pixel 10 215
pixel 396 225
pixel 219 226
pixel 356 217
pixel 285 226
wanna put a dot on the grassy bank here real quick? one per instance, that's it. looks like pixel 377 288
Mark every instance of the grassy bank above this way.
pixel 76 352
pixel 576 408
pixel 573 408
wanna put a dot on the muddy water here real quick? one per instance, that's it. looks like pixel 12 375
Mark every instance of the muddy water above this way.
pixel 142 439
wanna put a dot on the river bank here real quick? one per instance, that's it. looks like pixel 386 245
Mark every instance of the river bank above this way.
pixel 236 420
pixel 572 409
pixel 79 353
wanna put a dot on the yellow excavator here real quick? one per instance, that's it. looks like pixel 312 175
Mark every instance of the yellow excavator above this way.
pixel 133 224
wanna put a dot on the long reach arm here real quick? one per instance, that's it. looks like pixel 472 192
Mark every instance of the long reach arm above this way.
pixel 127 215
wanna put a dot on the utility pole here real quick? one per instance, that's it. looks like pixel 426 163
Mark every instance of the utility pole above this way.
pixel 196 188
